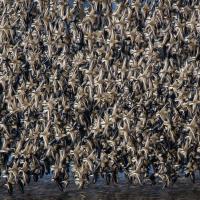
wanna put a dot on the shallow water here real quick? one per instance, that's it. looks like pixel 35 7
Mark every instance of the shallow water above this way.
pixel 44 189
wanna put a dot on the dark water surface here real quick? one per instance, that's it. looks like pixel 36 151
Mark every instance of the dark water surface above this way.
pixel 44 189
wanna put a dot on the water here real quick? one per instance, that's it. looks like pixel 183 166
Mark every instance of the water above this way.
pixel 44 189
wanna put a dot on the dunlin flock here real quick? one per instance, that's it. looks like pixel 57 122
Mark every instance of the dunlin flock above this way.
pixel 91 89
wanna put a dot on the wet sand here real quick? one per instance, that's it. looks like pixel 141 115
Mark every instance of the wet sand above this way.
pixel 46 190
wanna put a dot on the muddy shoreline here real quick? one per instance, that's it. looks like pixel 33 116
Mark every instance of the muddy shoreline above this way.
pixel 44 189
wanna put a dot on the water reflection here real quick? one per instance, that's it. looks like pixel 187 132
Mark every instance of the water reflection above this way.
pixel 45 190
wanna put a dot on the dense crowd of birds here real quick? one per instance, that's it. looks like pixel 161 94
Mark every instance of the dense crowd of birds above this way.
pixel 89 89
